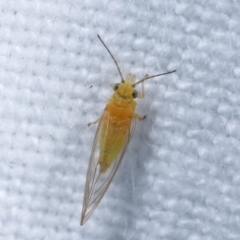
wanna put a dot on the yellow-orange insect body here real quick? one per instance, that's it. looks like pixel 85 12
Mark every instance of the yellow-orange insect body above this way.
pixel 114 132
pixel 117 120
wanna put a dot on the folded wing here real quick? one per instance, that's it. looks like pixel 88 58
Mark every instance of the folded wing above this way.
pixel 97 182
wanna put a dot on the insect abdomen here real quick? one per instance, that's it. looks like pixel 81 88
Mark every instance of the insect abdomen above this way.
pixel 112 138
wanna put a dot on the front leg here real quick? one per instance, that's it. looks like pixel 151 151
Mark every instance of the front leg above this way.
pixel 142 94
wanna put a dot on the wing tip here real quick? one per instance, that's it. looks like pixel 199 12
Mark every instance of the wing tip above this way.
pixel 83 220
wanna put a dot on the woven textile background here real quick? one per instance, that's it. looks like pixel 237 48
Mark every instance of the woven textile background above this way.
pixel 180 176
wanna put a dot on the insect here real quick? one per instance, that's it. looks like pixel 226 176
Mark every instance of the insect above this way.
pixel 115 130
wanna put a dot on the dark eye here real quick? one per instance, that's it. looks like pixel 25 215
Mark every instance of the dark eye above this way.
pixel 134 94
pixel 115 87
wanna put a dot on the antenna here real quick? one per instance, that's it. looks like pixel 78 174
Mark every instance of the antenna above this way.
pixel 122 80
pixel 147 77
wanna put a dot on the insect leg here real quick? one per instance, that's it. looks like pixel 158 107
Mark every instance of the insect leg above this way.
pixel 142 94
pixel 138 117
pixel 89 124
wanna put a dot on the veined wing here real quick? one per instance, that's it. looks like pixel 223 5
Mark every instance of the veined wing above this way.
pixel 97 183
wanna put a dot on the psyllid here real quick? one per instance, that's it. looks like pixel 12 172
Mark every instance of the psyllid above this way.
pixel 115 130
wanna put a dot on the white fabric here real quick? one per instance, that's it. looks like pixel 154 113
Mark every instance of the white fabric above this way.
pixel 180 177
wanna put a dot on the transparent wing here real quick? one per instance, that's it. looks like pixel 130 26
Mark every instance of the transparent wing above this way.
pixel 97 183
